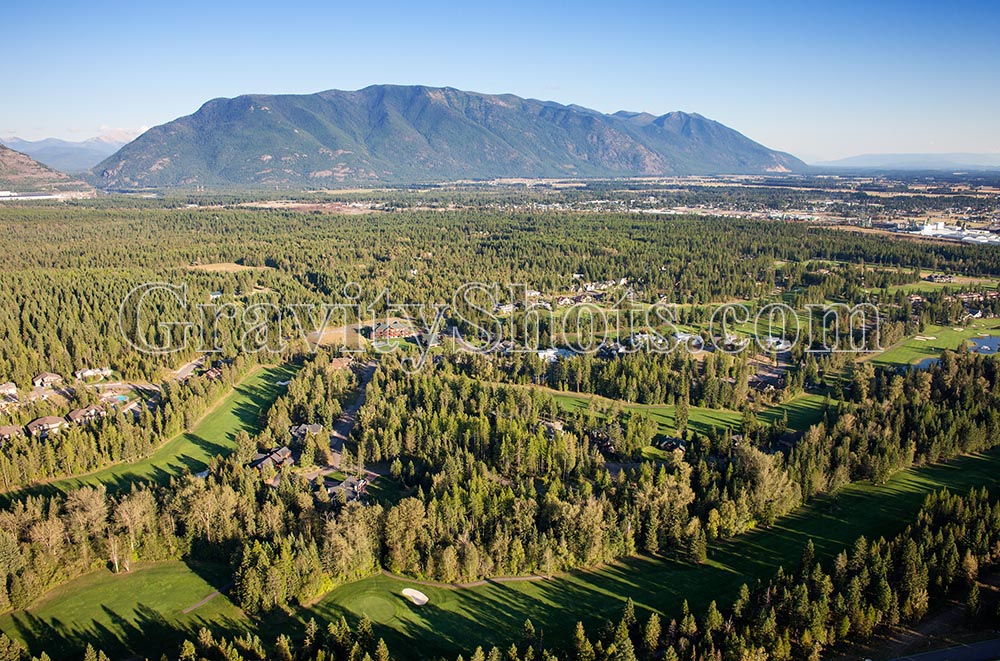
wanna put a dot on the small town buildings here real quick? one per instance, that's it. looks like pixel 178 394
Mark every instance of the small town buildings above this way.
pixel 86 414
pixel 47 380
pixel 10 431
pixel 44 427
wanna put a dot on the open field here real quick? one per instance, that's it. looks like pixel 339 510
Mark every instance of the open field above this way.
pixel 342 336
pixel 190 451
pixel 225 267
pixel 803 411
pixel 926 287
pixel 106 608
pixel 700 419
pixel 935 340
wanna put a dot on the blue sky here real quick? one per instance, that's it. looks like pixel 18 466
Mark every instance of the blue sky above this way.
pixel 818 79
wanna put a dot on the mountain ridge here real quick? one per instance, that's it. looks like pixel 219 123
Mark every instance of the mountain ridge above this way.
pixel 69 156
pixel 415 134
pixel 916 161
pixel 19 173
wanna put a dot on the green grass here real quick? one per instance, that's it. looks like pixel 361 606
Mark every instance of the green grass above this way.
pixel 104 607
pixel 140 611
pixel 803 411
pixel 241 410
pixel 700 419
pixel 912 350
pixel 926 287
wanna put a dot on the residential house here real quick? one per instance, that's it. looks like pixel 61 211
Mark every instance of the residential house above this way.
pixel 86 414
pixel 134 407
pixel 551 428
pixel 92 372
pixel 429 340
pixel 8 390
pixel 341 363
pixel 274 459
pixel 301 431
pixel 352 488
pixel 10 431
pixel 214 374
pixel 47 380
pixel 44 427
pixel 392 330
pixel 772 343
pixel 506 308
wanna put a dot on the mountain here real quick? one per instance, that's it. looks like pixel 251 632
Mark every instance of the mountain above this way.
pixel 67 156
pixel 948 162
pixel 405 134
pixel 19 173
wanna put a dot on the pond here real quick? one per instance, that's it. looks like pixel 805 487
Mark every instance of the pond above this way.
pixel 986 345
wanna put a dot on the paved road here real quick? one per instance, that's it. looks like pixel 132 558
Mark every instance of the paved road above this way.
pixel 188 369
pixel 988 650
pixel 345 423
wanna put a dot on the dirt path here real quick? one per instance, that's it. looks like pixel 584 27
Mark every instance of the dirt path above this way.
pixel 460 586
pixel 207 599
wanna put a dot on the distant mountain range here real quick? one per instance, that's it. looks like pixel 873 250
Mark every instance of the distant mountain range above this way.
pixel 19 173
pixel 916 162
pixel 67 156
pixel 403 134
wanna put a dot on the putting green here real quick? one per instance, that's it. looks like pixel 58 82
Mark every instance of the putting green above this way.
pixel 378 605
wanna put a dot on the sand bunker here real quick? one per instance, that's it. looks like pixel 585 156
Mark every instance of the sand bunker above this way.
pixel 416 596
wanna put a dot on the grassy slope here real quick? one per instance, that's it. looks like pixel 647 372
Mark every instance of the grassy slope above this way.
pixel 144 608
pixel 106 608
pixel 213 435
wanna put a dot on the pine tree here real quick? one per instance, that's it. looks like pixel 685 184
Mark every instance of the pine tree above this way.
pixel 382 651
pixel 972 602
pixel 651 637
